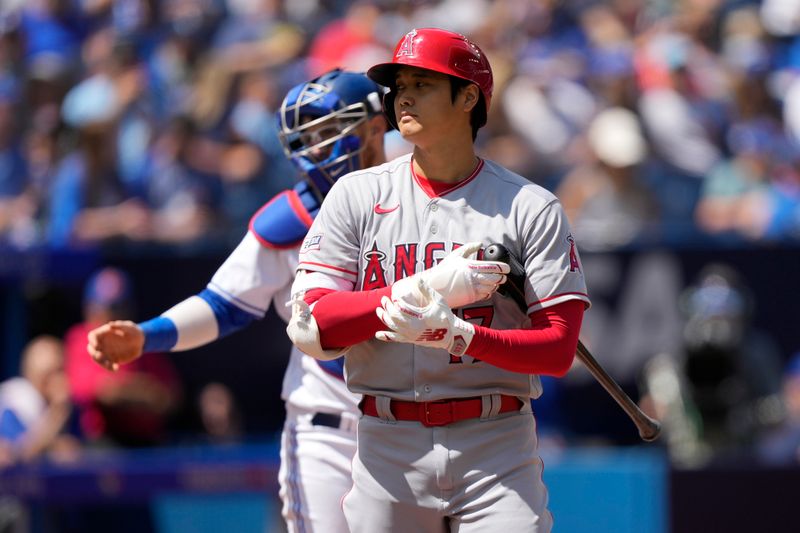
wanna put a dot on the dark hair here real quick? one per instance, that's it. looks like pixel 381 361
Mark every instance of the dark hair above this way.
pixel 478 115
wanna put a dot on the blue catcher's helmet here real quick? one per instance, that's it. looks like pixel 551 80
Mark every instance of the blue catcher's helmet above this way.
pixel 318 121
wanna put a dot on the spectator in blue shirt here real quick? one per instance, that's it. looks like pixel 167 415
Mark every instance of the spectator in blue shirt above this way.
pixel 35 407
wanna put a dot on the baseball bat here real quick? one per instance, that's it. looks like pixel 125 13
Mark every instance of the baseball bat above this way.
pixel 648 427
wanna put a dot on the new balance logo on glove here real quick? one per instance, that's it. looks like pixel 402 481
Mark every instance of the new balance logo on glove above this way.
pixel 432 335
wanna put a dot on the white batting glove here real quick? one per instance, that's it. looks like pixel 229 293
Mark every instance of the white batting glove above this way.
pixel 459 279
pixel 304 332
pixel 425 319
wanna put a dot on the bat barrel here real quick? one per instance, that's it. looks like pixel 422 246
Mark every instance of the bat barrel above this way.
pixel 649 428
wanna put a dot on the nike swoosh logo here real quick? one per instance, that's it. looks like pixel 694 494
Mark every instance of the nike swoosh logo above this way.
pixel 381 211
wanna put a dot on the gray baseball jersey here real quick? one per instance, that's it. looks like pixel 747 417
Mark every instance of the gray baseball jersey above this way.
pixel 384 223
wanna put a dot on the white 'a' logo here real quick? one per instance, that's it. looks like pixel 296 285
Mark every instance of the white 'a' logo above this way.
pixel 407 46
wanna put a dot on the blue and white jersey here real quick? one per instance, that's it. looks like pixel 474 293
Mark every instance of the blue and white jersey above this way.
pixel 253 277
pixel 260 272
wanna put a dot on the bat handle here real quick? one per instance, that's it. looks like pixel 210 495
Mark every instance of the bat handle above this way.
pixel 515 286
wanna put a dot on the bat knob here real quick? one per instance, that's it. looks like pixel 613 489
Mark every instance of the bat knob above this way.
pixel 496 252
pixel 651 431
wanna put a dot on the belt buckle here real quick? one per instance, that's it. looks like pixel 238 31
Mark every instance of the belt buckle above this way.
pixel 436 413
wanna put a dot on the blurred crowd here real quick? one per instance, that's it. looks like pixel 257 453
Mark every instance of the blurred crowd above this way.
pixel 153 120
pixel 61 402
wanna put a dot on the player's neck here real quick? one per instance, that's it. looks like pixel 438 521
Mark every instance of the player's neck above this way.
pixel 444 165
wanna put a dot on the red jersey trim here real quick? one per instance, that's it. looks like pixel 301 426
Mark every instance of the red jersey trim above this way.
pixel 558 298
pixel 436 189
pixel 300 209
pixel 327 267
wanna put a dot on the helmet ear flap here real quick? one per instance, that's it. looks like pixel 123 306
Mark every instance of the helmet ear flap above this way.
pixel 388 107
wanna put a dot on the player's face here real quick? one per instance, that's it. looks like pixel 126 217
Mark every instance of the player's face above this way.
pixel 423 106
pixel 320 135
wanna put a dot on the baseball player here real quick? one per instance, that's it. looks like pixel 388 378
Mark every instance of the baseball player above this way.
pixel 329 126
pixel 447 366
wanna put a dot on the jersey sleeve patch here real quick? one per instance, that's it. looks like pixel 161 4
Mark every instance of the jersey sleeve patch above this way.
pixel 284 221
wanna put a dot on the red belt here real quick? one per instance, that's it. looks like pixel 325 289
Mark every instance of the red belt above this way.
pixel 439 412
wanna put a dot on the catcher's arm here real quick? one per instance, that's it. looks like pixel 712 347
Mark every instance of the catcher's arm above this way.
pixel 194 322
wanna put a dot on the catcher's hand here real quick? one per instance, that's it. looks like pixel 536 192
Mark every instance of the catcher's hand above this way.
pixel 116 343
pixel 423 317
pixel 460 278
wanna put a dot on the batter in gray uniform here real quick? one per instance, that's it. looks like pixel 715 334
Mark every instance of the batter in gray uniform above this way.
pixel 390 275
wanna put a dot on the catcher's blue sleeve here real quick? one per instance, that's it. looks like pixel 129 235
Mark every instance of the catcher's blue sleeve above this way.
pixel 161 334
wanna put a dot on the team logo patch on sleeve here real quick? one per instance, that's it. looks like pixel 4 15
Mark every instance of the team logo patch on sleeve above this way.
pixel 311 243
pixel 574 264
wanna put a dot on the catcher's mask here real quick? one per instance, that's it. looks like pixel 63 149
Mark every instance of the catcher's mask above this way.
pixel 318 121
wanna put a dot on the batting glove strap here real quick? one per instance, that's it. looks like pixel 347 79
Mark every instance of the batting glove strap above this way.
pixel 423 318
pixel 462 333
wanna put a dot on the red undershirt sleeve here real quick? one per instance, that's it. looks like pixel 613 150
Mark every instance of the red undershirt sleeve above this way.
pixel 346 318
pixel 547 348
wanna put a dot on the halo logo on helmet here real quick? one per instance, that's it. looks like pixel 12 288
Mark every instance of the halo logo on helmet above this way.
pixel 318 122
pixel 406 47
pixel 441 51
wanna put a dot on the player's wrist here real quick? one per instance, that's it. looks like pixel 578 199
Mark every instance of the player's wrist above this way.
pixel 462 334
pixel 160 334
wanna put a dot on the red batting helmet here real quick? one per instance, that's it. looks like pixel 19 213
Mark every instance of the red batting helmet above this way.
pixel 442 51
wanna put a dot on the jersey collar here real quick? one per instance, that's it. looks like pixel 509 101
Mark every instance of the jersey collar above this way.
pixel 437 189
